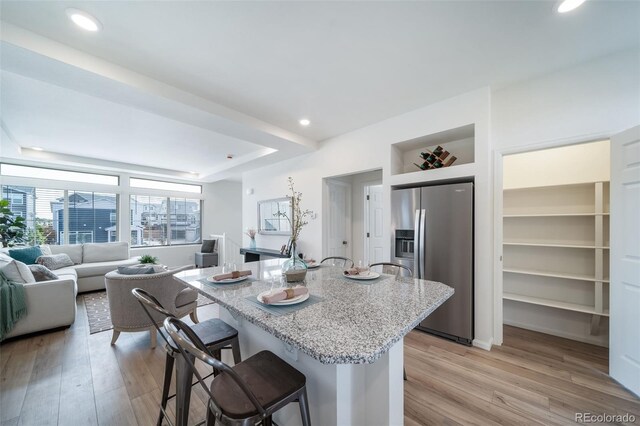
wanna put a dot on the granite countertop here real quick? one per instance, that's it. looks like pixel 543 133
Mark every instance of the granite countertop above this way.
pixel 355 323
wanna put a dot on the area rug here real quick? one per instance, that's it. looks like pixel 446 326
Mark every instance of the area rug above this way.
pixel 97 306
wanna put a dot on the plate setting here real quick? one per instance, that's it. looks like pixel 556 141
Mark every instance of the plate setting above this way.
pixel 293 301
pixel 228 280
pixel 363 276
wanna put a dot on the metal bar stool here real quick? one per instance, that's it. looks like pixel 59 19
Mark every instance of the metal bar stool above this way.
pixel 246 393
pixel 215 333
pixel 394 269
pixel 343 262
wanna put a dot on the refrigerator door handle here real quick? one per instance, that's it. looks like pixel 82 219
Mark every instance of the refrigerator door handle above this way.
pixel 423 231
pixel 416 244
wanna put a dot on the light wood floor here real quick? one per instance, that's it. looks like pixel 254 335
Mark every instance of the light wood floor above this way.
pixel 69 377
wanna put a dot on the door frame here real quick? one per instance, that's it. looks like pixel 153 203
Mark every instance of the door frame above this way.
pixel 498 161
pixel 366 221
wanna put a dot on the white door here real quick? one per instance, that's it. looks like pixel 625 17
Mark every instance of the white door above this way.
pixel 339 219
pixel 624 355
pixel 373 224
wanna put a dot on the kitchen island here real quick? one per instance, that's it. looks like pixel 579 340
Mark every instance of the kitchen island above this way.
pixel 347 339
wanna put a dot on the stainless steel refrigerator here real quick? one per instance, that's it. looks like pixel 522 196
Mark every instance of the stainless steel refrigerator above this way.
pixel 432 233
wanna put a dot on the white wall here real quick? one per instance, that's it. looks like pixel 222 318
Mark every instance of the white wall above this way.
pixel 222 211
pixel 595 99
pixel 368 149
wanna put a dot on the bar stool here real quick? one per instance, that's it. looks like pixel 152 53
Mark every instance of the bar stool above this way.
pixel 343 262
pixel 214 333
pixel 248 392
pixel 394 269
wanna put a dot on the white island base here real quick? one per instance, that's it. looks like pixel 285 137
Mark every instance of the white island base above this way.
pixel 339 394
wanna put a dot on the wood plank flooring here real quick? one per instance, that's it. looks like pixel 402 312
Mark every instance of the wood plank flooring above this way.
pixel 68 377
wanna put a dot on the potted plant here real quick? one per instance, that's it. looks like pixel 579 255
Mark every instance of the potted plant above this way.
pixel 12 227
pixel 147 259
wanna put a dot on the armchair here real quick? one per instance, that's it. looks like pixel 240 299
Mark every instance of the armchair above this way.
pixel 126 313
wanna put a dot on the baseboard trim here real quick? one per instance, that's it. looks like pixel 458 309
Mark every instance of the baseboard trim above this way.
pixel 559 333
pixel 483 344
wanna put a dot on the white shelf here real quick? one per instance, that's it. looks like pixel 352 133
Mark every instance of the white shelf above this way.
pixel 445 173
pixel 553 244
pixel 555 214
pixel 554 275
pixel 565 185
pixel 554 304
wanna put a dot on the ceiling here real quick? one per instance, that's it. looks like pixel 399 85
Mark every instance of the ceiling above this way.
pixel 250 70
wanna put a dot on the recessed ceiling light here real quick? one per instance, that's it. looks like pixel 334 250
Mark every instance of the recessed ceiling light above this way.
pixel 84 20
pixel 305 122
pixel 568 5
pixel 37 148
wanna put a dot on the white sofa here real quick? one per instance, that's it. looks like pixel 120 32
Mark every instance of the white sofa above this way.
pixel 52 304
pixel 92 261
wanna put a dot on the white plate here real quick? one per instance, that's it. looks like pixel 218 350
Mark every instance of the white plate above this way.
pixel 370 276
pixel 313 265
pixel 294 301
pixel 228 280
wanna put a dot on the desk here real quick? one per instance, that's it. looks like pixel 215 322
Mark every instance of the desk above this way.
pixel 349 345
pixel 253 254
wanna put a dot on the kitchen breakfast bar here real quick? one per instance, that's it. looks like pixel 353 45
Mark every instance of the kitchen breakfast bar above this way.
pixel 346 338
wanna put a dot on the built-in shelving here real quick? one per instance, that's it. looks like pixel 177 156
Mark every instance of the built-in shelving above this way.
pixel 557 235
pixel 458 142
pixel 555 214
pixel 539 273
pixel 552 244
pixel 554 304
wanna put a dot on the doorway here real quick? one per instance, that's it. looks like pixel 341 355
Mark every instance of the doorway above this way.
pixel 555 235
pixel 349 216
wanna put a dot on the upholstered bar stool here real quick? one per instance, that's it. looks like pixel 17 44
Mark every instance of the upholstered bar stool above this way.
pixel 214 333
pixel 247 393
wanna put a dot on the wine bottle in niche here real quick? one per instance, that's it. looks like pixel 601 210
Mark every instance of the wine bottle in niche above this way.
pixel 423 166
pixel 437 164
pixel 438 150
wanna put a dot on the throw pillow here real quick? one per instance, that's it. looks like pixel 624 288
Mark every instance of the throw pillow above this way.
pixel 208 246
pixel 18 272
pixel 46 250
pixel 42 273
pixel 135 270
pixel 27 255
pixel 55 261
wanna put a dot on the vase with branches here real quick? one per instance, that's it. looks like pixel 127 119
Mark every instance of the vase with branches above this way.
pixel 295 269
pixel 251 233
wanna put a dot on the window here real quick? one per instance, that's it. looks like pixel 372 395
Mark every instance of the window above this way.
pixel 165 221
pixel 167 186
pixel 90 216
pixel 39 172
